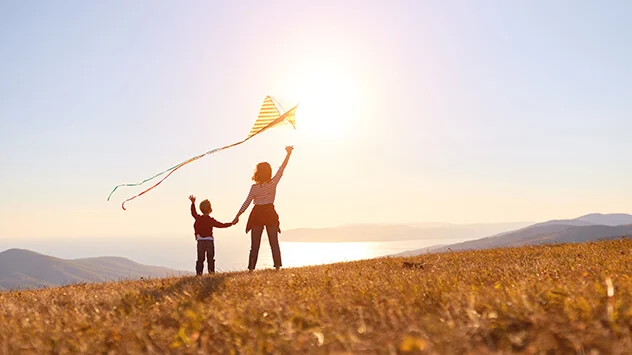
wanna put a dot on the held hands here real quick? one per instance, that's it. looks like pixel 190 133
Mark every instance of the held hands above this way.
pixel 235 221
pixel 192 198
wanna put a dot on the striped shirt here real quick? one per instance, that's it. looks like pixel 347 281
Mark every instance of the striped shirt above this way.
pixel 264 193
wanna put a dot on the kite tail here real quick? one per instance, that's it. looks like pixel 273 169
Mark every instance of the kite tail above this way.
pixel 171 171
pixel 142 182
pixel 149 189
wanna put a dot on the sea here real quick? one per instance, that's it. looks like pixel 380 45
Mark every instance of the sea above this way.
pixel 231 253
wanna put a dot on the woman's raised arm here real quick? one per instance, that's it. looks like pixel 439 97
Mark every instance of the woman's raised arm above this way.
pixel 289 150
pixel 279 172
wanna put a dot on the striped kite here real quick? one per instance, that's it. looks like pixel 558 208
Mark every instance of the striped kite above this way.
pixel 269 116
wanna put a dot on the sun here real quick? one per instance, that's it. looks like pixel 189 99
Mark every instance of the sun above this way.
pixel 327 103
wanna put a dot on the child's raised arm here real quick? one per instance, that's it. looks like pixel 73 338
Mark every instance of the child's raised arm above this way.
pixel 193 210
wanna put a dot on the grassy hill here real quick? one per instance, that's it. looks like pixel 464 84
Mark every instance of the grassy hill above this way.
pixel 571 298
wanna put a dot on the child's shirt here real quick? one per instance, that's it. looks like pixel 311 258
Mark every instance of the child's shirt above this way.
pixel 204 225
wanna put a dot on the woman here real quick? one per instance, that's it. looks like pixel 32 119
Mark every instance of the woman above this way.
pixel 263 192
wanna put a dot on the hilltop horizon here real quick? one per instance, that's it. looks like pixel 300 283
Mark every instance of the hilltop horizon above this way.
pixel 174 250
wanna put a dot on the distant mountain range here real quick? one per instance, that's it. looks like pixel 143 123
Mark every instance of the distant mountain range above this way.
pixel 21 269
pixel 586 228
pixel 389 233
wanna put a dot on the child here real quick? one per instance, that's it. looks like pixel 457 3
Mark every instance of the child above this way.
pixel 204 235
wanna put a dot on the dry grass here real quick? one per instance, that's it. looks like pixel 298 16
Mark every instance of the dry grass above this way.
pixel 567 298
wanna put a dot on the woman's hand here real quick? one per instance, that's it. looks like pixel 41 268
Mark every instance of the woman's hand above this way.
pixel 192 198
pixel 289 149
pixel 235 221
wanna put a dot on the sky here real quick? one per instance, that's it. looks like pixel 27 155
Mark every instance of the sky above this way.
pixel 409 111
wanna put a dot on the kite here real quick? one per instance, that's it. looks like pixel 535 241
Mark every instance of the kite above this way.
pixel 269 116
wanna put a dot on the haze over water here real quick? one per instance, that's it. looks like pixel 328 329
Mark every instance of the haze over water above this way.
pixel 178 252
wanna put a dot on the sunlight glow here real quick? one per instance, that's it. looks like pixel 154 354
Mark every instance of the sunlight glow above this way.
pixel 328 102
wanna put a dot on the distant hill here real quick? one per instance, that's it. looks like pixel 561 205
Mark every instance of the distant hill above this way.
pixel 387 233
pixel 581 229
pixel 614 219
pixel 20 269
pixel 599 219
pixel 563 222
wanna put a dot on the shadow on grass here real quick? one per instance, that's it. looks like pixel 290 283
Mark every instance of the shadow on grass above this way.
pixel 201 286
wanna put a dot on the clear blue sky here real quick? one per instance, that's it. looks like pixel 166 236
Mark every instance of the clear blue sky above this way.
pixel 454 111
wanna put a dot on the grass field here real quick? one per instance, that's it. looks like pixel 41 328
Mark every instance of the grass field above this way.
pixel 574 298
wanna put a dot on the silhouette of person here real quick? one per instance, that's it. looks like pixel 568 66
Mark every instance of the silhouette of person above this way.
pixel 263 214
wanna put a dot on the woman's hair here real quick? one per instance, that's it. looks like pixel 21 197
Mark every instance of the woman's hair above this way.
pixel 205 207
pixel 263 173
